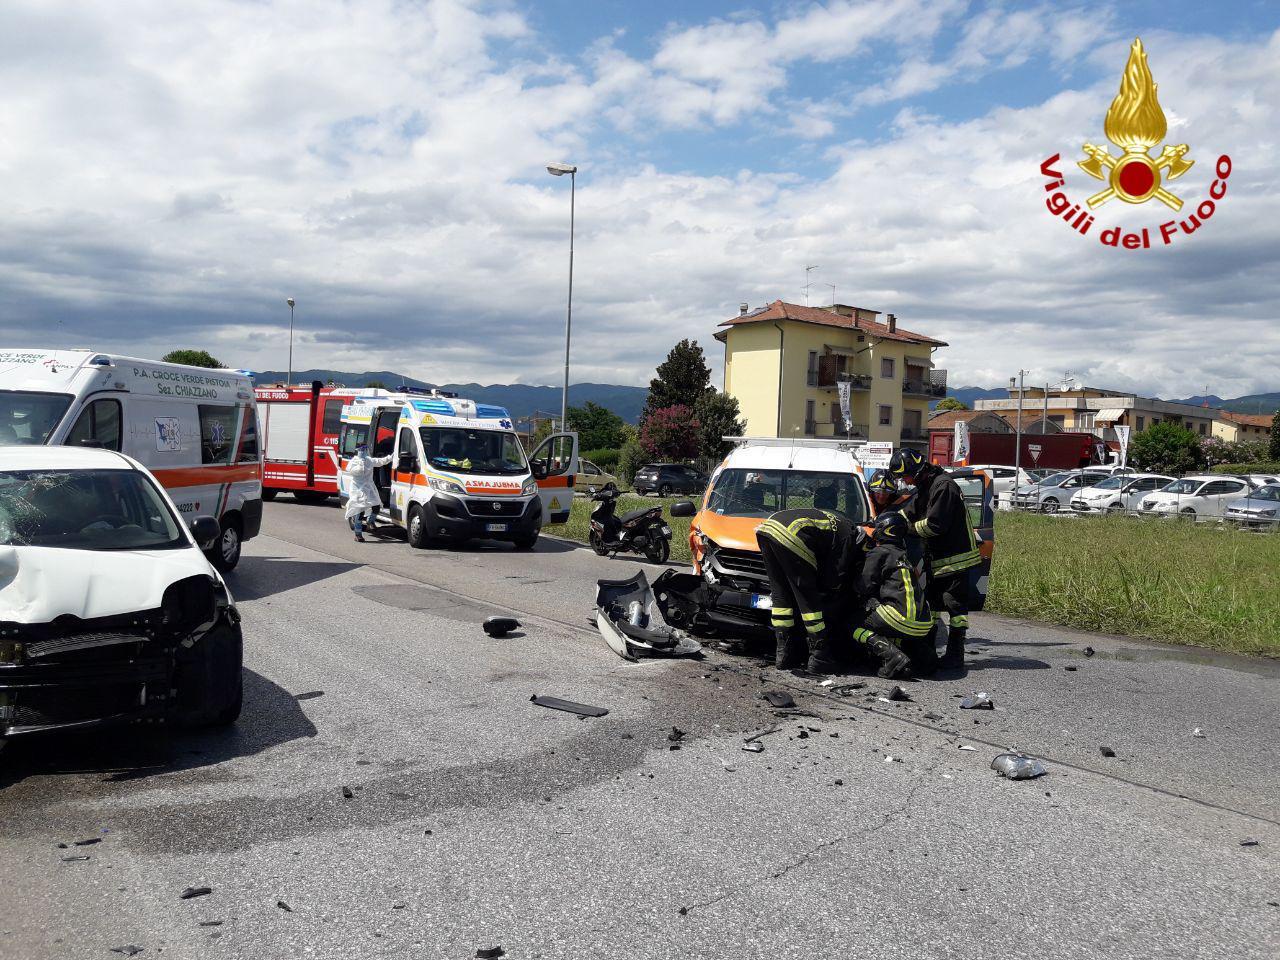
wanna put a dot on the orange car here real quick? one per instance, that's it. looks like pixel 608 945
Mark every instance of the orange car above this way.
pixel 728 590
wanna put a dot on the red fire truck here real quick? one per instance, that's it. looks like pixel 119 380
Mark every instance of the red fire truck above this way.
pixel 299 432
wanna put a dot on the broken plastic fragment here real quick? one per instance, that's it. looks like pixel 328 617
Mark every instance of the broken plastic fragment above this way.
pixel 754 747
pixel 1107 751
pixel 1250 843
pixel 73 859
pixel 965 746
pixel 1071 668
pixel 489 953
pixel 568 706
pixel 210 923
pixel 88 843
pixel 779 698
pixel 346 793
pixel 891 759
pixel 284 906
pixel 979 701
pixel 827 682
pixel 192 892
pixel 309 695
pixel 500 626
pixel 676 735
pixel 128 949
pixel 1015 766
pixel 1089 651
pixel 898 694
pixel 1197 732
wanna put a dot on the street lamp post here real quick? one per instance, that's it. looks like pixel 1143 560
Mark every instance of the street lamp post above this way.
pixel 289 376
pixel 559 170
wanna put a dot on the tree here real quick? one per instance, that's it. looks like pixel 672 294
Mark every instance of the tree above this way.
pixel 194 358
pixel 598 427
pixel 375 385
pixel 682 379
pixel 951 403
pixel 717 415
pixel 630 459
pixel 1166 448
pixel 670 433
pixel 1275 436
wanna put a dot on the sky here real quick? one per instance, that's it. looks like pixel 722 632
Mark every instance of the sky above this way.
pixel 172 172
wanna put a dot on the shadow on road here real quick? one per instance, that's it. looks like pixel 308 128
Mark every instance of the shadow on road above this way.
pixel 271 716
pixel 258 577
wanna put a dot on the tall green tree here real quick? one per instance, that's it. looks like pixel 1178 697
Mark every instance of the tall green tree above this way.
pixel 718 417
pixel 194 358
pixel 951 403
pixel 682 379
pixel 1166 448
pixel 597 427
pixel 1275 436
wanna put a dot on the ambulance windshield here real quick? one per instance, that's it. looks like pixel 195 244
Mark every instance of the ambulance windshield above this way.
pixel 28 417
pixel 466 450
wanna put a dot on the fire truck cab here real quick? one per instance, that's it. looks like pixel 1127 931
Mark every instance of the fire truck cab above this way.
pixel 458 471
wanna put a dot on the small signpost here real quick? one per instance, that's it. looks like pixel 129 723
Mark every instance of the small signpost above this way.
pixel 1034 450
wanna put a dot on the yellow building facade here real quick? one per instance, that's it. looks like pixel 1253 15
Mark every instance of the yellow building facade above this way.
pixel 784 363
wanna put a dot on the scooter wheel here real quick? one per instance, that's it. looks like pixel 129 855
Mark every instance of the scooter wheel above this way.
pixel 657 550
pixel 598 546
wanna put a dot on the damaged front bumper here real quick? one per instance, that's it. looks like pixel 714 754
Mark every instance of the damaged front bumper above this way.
pixel 74 672
pixel 691 602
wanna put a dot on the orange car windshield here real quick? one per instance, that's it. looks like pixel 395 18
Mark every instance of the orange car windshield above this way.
pixel 760 493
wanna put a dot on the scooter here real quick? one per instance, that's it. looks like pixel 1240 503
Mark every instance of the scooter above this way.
pixel 640 531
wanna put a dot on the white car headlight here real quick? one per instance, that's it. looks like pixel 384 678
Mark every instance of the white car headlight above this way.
pixel 1267 513
pixel 446 486
pixel 530 488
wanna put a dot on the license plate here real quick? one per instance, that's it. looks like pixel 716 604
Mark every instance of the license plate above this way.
pixel 495 527
pixel 666 531
pixel 761 602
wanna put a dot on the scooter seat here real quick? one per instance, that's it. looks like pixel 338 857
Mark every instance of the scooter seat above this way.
pixel 635 514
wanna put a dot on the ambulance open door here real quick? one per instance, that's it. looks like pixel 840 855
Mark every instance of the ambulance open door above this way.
pixel 554 463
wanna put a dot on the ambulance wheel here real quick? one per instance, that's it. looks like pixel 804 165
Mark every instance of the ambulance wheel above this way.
pixel 528 540
pixel 417 529
pixel 225 553
pixel 269 495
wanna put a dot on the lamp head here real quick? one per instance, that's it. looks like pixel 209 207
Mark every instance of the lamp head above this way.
pixel 560 169
pixel 289 301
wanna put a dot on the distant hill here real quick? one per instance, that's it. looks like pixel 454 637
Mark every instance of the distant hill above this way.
pixel 520 399
pixel 1266 403
pixel 967 395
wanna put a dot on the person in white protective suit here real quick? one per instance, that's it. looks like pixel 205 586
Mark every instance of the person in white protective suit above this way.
pixel 363 501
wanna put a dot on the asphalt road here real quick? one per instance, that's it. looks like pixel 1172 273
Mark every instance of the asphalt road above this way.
pixel 478 819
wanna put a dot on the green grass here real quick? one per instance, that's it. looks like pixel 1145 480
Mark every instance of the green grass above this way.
pixel 1202 584
pixel 579 522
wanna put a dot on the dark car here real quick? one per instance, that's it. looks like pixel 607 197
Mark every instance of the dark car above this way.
pixel 665 479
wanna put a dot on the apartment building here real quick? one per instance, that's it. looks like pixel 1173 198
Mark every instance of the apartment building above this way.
pixel 1239 427
pixel 1098 411
pixel 784 363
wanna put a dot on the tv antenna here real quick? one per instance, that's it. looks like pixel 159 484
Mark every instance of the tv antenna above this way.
pixel 807 282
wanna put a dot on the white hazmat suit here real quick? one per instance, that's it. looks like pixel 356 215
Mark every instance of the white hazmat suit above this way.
pixel 362 491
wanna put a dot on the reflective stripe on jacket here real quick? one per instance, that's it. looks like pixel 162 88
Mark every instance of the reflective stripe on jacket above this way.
pixel 888 579
pixel 938 516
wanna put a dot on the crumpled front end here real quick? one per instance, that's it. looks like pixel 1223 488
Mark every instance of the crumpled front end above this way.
pixel 82 672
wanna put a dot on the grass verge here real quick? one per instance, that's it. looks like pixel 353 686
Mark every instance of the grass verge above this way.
pixel 579 527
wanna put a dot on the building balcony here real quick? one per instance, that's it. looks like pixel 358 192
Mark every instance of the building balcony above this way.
pixel 856 381
pixel 919 388
pixel 828 428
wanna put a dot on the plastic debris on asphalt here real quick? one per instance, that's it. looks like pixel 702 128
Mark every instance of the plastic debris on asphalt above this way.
pixel 1197 732
pixel 346 793
pixel 1250 843
pixel 965 746
pixel 1015 766
pixel 568 706
pixel 899 695
pixel 779 698
pixel 979 701
pixel 754 746
pixel 847 689
pixel 284 906
pixel 676 735
pixel 500 626
pixel 763 733
pixel 490 953
pixel 1071 668
pixel 1107 751
pixel 630 620
pixel 309 695
pixel 87 843
pixel 1089 651
pixel 73 859
pixel 192 892
pixel 128 949
pixel 728 767
pixel 827 683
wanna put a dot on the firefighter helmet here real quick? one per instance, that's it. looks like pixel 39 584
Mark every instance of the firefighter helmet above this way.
pixel 891 528
pixel 906 463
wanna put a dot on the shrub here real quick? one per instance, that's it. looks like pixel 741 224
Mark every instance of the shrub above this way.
pixel 1257 466
pixel 630 459
pixel 606 458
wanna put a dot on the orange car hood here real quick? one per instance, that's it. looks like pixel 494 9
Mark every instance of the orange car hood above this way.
pixel 736 533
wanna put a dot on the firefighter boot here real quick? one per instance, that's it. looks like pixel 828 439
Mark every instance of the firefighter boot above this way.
pixel 821 659
pixel 894 663
pixel 957 631
pixel 790 651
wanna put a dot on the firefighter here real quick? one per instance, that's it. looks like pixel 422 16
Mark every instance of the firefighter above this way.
pixel 811 556
pixel 885 494
pixel 898 627
pixel 938 516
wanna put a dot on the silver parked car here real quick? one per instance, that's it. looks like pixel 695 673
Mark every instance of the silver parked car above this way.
pixel 1056 491
pixel 1260 509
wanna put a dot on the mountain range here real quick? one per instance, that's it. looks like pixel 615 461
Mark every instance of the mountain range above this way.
pixel 1265 403
pixel 521 399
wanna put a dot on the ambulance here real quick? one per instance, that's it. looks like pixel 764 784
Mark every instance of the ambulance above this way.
pixel 458 471
pixel 195 429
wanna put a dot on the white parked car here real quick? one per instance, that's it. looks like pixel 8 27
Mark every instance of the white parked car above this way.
pixel 1118 493
pixel 1260 509
pixel 111 612
pixel 1196 497
pixel 1056 491
pixel 1260 480
pixel 1004 480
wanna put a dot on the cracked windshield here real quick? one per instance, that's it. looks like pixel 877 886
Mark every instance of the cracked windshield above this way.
pixel 84 510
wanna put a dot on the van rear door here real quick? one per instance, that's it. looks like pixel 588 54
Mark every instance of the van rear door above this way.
pixel 979 499
pixel 555 464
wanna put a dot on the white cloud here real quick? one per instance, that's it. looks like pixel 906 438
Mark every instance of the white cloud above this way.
pixel 173 173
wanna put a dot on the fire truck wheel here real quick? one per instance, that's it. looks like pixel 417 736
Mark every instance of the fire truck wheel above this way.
pixel 417 529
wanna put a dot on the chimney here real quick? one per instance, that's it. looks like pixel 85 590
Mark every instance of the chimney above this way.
pixel 893 323
pixel 743 308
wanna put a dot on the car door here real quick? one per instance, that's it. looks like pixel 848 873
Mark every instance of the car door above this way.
pixel 367 424
pixel 979 500
pixel 554 464
pixel 1223 492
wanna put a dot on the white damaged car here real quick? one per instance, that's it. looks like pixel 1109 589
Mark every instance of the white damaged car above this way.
pixel 109 611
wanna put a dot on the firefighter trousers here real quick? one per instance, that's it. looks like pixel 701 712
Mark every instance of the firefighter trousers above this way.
pixel 949 594
pixel 798 597
pixel 920 650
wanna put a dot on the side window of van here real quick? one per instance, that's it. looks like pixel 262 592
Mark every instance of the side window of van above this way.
pixel 407 445
pixel 248 437
pixel 332 416
pixel 100 423
pixel 217 433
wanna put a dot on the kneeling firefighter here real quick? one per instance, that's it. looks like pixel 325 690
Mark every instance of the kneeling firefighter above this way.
pixel 899 627
pixel 938 516
pixel 811 556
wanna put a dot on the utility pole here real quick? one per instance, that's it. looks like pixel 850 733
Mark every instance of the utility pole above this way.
pixel 1017 443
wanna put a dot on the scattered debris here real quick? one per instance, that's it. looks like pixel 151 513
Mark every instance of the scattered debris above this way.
pixel 309 695
pixel 73 859
pixel 683 911
pixel 631 622
pixel 676 735
pixel 192 892
pixel 1071 668
pixel 779 698
pixel 979 701
pixel 802 735
pixel 489 953
pixel 1107 751
pixel 846 689
pixel 346 792
pixel 1197 732
pixel 500 626
pixel 210 923
pixel 763 733
pixel 568 706
pixel 728 767
pixel 62 846
pixel 827 682
pixel 128 949
pixel 1015 766
pixel 965 746
pixel 1089 651
pixel 891 759
pixel 839 783
pixel 284 906
pixel 754 746
pixel 398 906
pixel 363 763
pixel 88 843
pixel 899 695
pixel 674 746
pixel 1250 843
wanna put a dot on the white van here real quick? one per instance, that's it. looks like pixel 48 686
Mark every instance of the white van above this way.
pixel 458 470
pixel 195 429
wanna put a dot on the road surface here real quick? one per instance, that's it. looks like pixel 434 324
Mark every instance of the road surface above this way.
pixel 477 819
